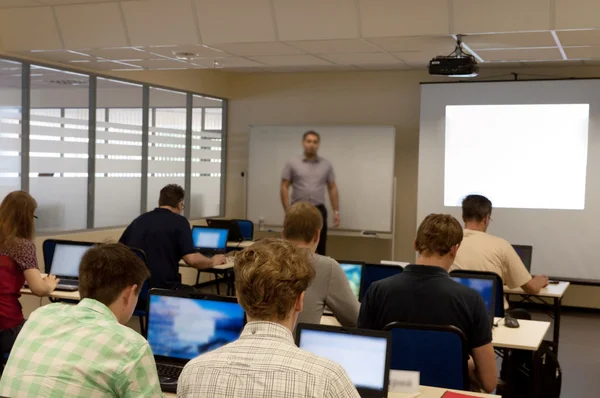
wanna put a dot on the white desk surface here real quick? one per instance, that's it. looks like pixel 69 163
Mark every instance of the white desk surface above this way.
pixel 57 294
pixel 425 392
pixel 226 266
pixel 553 290
pixel 528 336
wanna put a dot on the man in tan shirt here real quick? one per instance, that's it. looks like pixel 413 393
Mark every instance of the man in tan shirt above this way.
pixel 481 251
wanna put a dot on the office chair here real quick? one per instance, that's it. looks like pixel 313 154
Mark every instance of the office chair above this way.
pixel 141 309
pixel 439 353
pixel 499 307
pixel 246 228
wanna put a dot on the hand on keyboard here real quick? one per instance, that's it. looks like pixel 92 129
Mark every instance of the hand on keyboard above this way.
pixel 218 259
pixel 51 281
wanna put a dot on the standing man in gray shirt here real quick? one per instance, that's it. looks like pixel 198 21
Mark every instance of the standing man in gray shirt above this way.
pixel 330 287
pixel 308 175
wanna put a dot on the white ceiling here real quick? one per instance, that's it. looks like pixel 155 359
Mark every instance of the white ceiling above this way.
pixel 292 35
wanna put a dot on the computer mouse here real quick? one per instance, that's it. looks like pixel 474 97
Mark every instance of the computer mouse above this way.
pixel 510 322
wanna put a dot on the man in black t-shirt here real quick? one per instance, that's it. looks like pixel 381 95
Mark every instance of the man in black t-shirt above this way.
pixel 424 294
pixel 165 236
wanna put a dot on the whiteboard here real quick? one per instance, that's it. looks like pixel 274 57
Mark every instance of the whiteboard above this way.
pixel 362 159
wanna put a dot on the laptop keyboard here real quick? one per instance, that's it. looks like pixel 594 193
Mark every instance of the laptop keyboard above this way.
pixel 169 371
pixel 68 282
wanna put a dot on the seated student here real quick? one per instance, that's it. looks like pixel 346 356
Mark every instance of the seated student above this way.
pixel 302 227
pixel 18 263
pixel 424 294
pixel 481 251
pixel 166 237
pixel 271 278
pixel 85 350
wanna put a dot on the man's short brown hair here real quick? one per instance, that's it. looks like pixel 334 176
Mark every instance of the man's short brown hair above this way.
pixel 270 275
pixel 437 234
pixel 171 195
pixel 476 208
pixel 107 269
pixel 302 222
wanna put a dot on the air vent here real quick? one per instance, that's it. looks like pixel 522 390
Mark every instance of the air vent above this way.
pixel 69 82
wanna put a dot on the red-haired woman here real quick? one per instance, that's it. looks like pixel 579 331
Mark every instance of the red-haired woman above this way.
pixel 18 263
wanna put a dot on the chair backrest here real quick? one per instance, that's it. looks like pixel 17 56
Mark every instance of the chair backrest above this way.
pixel 142 303
pixel 499 305
pixel 246 228
pixel 439 353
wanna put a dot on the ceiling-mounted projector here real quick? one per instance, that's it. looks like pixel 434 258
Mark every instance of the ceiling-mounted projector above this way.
pixel 457 64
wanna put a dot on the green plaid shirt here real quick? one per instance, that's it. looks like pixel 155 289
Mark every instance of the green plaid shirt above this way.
pixel 79 351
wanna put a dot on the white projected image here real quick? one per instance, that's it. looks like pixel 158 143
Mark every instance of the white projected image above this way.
pixel 519 156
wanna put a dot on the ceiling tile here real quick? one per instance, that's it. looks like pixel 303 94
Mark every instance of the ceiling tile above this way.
pixel 258 49
pixel 476 16
pixel 387 18
pixel 58 55
pixel 316 19
pixel 362 59
pixel 160 64
pixel 416 58
pixel 230 62
pixel 537 54
pixel 119 53
pixel 19 3
pixel 29 29
pixel 510 40
pixel 577 14
pixel 290 60
pixel 103 65
pixel 579 37
pixel 158 22
pixel 341 46
pixel 586 52
pixel 233 21
pixel 64 2
pixel 91 25
pixel 202 51
pixel 386 67
pixel 444 44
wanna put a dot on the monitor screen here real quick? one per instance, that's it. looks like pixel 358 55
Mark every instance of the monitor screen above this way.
pixel 525 253
pixel 362 357
pixel 375 272
pixel 354 274
pixel 210 238
pixel 485 287
pixel 184 328
pixel 66 259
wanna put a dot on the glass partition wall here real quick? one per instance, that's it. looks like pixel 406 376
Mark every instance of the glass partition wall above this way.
pixel 95 151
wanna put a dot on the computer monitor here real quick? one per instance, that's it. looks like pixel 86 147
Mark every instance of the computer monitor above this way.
pixel 66 259
pixel 375 272
pixel 364 354
pixel 525 252
pixel 485 285
pixel 235 233
pixel 182 326
pixel 208 239
pixel 353 271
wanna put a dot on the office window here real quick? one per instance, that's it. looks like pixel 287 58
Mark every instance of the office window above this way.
pixel 118 153
pixel 10 127
pixel 59 148
pixel 205 192
pixel 166 142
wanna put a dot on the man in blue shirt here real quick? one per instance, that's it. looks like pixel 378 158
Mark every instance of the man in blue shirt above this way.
pixel 165 235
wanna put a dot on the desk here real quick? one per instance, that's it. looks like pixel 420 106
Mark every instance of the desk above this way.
pixel 222 273
pixel 58 295
pixel 555 292
pixel 240 245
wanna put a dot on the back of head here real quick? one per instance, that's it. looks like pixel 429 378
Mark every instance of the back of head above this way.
pixel 270 276
pixel 107 269
pixel 476 208
pixel 16 217
pixel 303 221
pixel 437 234
pixel 171 195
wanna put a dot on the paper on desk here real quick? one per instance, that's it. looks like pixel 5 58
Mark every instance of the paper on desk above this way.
pixel 404 381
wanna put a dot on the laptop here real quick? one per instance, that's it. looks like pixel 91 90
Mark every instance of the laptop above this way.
pixel 354 273
pixel 485 285
pixel 374 272
pixel 525 253
pixel 210 241
pixel 64 263
pixel 182 326
pixel 365 355
pixel 235 233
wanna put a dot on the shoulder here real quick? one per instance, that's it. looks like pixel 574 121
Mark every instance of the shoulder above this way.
pixel 21 246
pixel 325 262
pixel 324 367
pixel 325 161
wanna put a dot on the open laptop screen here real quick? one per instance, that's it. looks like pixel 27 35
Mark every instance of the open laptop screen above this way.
pixel 66 259
pixel 210 238
pixel 482 285
pixel 525 253
pixel 184 327
pixel 353 272
pixel 364 357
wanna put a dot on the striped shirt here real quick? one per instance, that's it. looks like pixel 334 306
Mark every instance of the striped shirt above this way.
pixel 79 351
pixel 264 362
